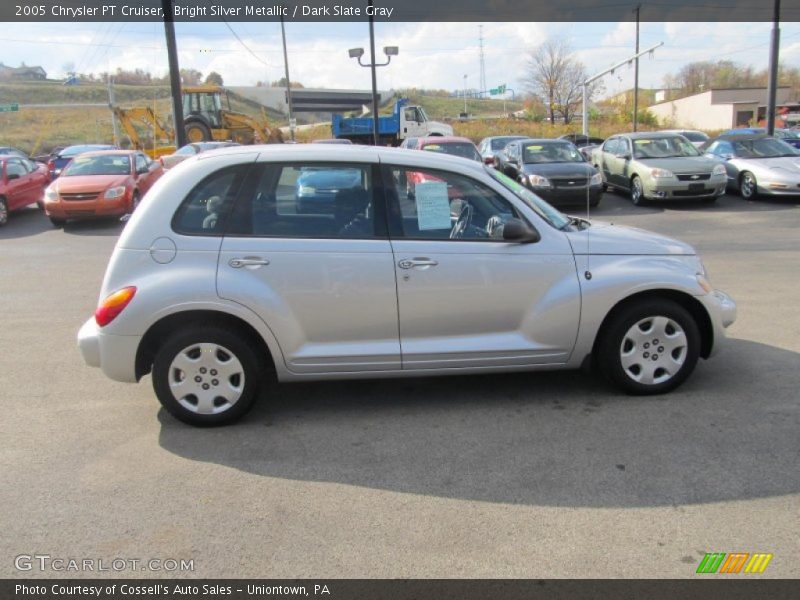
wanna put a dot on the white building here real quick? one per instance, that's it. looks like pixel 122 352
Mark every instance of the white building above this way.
pixel 718 108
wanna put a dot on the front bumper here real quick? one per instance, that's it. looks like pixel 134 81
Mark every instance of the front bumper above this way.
pixel 576 195
pixel 115 355
pixel 674 189
pixel 80 209
pixel 721 309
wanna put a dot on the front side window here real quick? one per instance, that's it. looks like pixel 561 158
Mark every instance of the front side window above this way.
pixel 440 205
pixel 14 167
pixel 314 200
pixel 539 206
pixel 141 163
pixel 611 146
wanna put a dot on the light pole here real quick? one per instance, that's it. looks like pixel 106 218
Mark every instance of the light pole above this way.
pixel 465 95
pixel 292 122
pixel 389 51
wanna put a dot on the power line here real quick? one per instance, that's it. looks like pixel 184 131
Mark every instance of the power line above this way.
pixel 245 46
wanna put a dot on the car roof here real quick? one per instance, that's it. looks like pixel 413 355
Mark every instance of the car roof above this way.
pixel 735 137
pixel 355 152
pixel 646 134
pixel 444 139
pixel 545 140
pixel 110 153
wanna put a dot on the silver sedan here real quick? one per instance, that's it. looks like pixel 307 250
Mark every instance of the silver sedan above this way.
pixel 757 164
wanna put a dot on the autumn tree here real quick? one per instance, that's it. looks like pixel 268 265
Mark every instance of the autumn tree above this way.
pixel 213 78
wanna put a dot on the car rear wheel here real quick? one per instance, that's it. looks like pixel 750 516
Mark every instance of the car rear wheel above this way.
pixel 206 375
pixel 748 186
pixel 649 348
pixel 637 191
pixel 3 212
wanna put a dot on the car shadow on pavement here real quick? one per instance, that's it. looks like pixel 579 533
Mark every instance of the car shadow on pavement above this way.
pixel 557 439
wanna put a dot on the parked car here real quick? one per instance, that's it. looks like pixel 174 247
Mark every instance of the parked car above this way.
pixel 61 157
pixel 453 145
pixel 409 142
pixel 317 187
pixel 100 184
pixel 332 141
pixel 389 285
pixel 586 144
pixel 22 182
pixel 10 150
pixel 790 136
pixel 490 147
pixel 757 164
pixel 555 170
pixel 659 166
pixel 170 160
pixel 697 138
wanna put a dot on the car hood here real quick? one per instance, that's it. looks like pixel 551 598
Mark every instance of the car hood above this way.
pixel 90 183
pixel 682 164
pixel 560 169
pixel 607 238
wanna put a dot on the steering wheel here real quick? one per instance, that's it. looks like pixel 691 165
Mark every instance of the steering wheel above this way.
pixel 464 219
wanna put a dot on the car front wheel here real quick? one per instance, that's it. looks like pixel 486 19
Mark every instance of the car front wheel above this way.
pixel 649 348
pixel 206 376
pixel 748 186
pixel 637 191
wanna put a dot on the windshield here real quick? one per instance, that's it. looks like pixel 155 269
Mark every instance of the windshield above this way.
pixel 422 113
pixel 786 134
pixel 663 147
pixel 542 208
pixel 694 136
pixel 500 143
pixel 763 148
pixel 456 149
pixel 551 152
pixel 98 165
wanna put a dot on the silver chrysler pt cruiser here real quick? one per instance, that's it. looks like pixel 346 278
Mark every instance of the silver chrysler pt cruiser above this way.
pixel 407 264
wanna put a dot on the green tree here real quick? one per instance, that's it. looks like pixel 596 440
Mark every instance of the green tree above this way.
pixel 214 78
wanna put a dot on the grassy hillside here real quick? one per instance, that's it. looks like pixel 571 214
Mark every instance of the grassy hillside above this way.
pixel 441 107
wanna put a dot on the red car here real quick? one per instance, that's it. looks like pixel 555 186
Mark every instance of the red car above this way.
pixel 23 182
pixel 108 183
pixel 455 146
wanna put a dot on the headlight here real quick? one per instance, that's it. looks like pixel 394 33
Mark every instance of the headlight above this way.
pixel 660 173
pixel 718 170
pixel 539 181
pixel 50 195
pixel 306 190
pixel 597 179
pixel 115 192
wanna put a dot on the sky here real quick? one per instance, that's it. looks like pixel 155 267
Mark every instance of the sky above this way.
pixel 432 55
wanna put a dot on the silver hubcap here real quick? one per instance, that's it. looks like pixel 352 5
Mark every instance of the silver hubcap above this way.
pixel 636 192
pixel 748 185
pixel 653 350
pixel 3 212
pixel 206 379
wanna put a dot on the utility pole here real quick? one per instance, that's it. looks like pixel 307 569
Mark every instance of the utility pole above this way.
pixel 774 56
pixel 636 74
pixel 174 73
pixel 482 84
pixel 375 137
pixel 292 122
pixel 111 106
pixel 465 96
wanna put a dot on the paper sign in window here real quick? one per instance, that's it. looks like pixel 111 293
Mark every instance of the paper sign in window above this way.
pixel 433 205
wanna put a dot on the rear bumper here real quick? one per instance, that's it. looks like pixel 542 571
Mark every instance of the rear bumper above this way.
pixel 115 355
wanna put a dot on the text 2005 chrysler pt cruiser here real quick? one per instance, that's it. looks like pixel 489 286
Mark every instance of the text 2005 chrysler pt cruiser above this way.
pixel 422 265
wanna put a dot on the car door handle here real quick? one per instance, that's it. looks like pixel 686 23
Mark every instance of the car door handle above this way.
pixel 248 261
pixel 410 263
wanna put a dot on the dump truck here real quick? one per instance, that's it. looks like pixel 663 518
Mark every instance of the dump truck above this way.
pixel 405 121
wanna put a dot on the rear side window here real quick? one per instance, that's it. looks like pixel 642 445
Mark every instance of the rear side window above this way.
pixel 312 200
pixel 206 208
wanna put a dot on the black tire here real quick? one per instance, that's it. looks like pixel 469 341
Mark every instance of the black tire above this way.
pixel 748 186
pixel 135 201
pixel 3 212
pixel 637 191
pixel 594 202
pixel 197 132
pixel 239 347
pixel 58 222
pixel 609 349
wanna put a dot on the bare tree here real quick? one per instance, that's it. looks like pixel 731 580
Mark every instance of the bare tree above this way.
pixel 556 77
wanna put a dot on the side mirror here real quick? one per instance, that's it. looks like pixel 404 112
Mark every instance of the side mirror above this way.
pixel 726 156
pixel 516 230
pixel 11 176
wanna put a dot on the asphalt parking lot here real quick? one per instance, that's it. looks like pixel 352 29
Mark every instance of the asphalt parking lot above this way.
pixel 525 475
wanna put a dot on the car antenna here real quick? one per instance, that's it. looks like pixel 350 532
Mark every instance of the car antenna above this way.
pixel 588 273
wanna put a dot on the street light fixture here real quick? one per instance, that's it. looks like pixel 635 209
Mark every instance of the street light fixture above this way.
pixel 358 53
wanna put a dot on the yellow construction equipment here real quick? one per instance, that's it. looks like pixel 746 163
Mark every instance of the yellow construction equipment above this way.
pixel 204 119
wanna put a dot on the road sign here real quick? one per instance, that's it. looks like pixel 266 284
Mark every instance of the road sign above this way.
pixel 494 91
pixel 14 107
